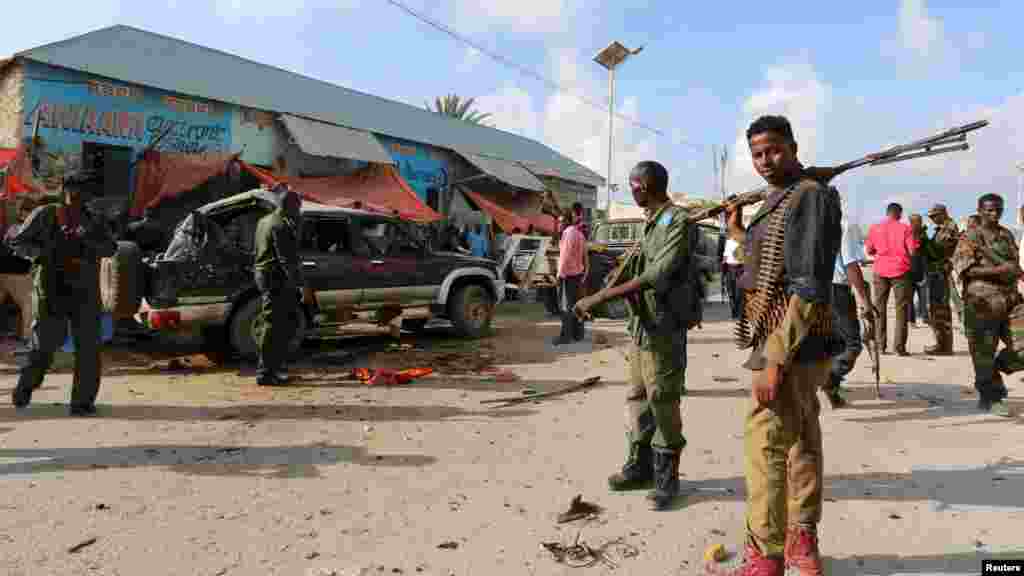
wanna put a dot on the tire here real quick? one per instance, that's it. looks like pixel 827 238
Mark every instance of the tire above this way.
pixel 242 337
pixel 471 309
pixel 121 281
pixel 414 324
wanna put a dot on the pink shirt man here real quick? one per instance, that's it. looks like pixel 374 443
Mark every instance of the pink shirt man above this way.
pixel 891 242
pixel 571 252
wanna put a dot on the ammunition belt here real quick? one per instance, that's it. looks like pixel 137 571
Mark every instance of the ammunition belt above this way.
pixel 765 306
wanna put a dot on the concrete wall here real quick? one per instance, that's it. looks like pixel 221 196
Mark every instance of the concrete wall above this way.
pixel 252 132
pixel 11 103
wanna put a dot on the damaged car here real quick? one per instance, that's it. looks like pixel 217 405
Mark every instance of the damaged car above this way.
pixel 363 266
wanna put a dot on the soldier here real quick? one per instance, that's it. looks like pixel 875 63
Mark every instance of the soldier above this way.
pixel 986 261
pixel 65 244
pixel 937 251
pixel 654 290
pixel 795 238
pixel 278 276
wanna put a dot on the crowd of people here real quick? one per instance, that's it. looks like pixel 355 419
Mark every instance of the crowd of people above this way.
pixel 796 279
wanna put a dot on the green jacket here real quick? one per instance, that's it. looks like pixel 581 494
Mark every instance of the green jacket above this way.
pixel 938 250
pixel 277 249
pixel 41 240
pixel 658 310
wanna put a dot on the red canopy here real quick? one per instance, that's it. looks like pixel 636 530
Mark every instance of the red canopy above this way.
pixel 507 219
pixel 376 187
pixel 162 175
pixel 7 156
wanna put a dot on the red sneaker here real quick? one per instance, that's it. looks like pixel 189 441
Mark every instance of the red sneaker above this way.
pixel 802 551
pixel 754 564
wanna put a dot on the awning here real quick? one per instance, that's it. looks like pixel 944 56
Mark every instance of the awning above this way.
pixel 322 139
pixel 508 172
pixel 7 156
pixel 377 187
pixel 506 219
pixel 163 175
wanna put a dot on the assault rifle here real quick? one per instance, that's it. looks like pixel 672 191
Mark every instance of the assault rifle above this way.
pixel 952 140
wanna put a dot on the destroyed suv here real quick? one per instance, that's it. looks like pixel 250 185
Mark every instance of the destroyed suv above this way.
pixel 362 266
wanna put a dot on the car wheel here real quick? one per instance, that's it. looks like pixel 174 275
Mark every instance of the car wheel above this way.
pixel 242 332
pixel 414 324
pixel 471 309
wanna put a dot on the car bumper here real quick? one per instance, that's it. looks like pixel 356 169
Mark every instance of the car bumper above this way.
pixel 185 317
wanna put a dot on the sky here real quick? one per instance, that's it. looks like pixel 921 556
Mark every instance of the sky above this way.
pixel 852 78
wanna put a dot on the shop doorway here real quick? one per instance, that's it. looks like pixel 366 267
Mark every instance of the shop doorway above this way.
pixel 112 167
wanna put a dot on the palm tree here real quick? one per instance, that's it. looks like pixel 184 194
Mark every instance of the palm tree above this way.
pixel 455 107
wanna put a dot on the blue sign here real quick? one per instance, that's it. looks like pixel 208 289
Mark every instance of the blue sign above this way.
pixel 417 167
pixel 73 108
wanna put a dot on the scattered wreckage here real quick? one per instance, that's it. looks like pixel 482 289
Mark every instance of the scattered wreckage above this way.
pixel 363 267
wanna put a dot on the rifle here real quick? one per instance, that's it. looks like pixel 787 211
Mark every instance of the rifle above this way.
pixel 952 140
pixel 868 328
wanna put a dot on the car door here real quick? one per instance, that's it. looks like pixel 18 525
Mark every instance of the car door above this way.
pixel 387 271
pixel 328 265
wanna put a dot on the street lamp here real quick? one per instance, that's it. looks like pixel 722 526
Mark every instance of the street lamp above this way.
pixel 610 58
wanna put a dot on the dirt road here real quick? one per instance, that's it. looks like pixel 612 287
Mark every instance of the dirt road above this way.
pixel 195 470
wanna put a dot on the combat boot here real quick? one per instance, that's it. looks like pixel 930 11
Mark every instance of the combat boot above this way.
pixel 666 479
pixel 637 472
pixel 943 346
pixel 802 551
pixel 754 564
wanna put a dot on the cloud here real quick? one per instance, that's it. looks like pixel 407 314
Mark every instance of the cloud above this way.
pixel 470 60
pixel 794 91
pixel 920 33
pixel 539 16
pixel 512 110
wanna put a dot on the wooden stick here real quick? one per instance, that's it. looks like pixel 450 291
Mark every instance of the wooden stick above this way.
pixel 560 392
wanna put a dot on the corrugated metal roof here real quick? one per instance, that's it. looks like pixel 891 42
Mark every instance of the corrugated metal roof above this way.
pixel 507 172
pixel 132 55
pixel 322 139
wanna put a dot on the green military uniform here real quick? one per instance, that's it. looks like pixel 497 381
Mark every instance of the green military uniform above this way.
pixel 657 363
pixel 783 450
pixel 938 250
pixel 65 288
pixel 987 306
pixel 278 276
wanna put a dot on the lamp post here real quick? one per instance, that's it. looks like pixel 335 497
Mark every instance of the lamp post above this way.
pixel 610 58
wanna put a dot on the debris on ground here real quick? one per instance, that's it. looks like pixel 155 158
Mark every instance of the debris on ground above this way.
pixel 449 545
pixel 83 544
pixel 386 377
pixel 579 508
pixel 582 555
pixel 510 400
pixel 190 363
pixel 725 379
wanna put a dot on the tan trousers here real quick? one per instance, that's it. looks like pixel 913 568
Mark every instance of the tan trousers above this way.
pixel 902 294
pixel 783 458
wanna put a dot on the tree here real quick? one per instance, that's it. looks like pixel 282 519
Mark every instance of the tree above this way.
pixel 454 106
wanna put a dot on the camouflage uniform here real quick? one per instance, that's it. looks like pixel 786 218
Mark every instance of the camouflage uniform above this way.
pixel 937 251
pixel 65 290
pixel 987 306
pixel 657 367
pixel 278 275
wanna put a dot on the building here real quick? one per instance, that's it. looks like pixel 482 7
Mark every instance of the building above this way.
pixel 98 100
